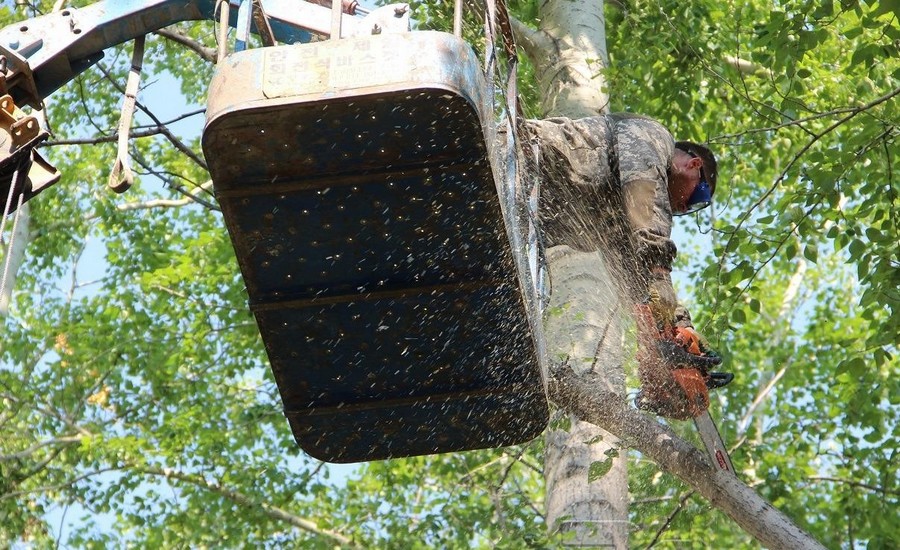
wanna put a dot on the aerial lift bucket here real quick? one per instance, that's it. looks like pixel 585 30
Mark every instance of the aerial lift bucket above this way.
pixel 380 254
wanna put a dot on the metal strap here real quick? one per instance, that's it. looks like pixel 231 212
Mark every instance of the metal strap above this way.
pixel 121 177
pixel 261 20
pixel 242 34
pixel 497 27
pixel 337 6
pixel 531 154
pixel 457 18
pixel 223 7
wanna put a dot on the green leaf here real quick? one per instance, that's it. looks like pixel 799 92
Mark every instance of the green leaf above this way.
pixel 875 235
pixel 857 249
pixel 855 367
pixel 790 251
pixel 811 253
pixel 598 469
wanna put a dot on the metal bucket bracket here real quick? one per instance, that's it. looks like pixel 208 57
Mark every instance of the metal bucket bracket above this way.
pixel 23 171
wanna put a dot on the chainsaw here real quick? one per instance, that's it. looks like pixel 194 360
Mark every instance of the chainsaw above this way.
pixel 688 397
pixel 690 341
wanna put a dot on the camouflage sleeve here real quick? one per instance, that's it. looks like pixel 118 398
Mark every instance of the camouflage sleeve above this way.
pixel 575 177
pixel 645 150
pixel 569 153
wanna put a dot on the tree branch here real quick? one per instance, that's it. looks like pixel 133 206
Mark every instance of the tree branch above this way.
pixel 800 121
pixel 853 483
pixel 243 500
pixel 172 184
pixel 797 156
pixel 534 43
pixel 678 508
pixel 58 486
pixel 136 132
pixel 168 203
pixel 208 54
pixel 26 453
pixel 583 397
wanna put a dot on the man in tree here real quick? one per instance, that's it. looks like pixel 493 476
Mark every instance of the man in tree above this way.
pixel 611 183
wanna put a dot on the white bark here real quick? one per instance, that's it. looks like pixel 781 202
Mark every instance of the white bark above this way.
pixel 583 328
pixel 782 323
pixel 13 255
pixel 568 51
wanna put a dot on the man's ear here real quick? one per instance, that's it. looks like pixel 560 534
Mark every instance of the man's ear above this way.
pixel 695 162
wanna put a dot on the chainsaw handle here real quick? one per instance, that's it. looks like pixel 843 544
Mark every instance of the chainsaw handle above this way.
pixel 675 354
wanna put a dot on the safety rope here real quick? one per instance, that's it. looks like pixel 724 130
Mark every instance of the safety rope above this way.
pixel 13 184
pixel 498 30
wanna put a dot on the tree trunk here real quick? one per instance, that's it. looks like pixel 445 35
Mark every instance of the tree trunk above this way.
pixel 13 254
pixel 586 477
pixel 568 51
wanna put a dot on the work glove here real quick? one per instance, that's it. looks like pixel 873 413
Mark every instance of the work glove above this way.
pixel 688 337
pixel 673 369
pixel 668 315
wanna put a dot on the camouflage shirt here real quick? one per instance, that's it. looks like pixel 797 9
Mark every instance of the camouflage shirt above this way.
pixel 604 186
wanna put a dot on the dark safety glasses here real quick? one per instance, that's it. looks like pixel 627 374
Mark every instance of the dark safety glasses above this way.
pixel 702 195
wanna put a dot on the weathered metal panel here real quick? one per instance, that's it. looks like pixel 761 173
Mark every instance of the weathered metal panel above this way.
pixel 357 184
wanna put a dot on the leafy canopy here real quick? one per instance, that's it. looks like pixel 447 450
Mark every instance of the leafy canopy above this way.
pixel 137 402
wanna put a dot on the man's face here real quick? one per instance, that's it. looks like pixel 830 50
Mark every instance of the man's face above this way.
pixel 683 180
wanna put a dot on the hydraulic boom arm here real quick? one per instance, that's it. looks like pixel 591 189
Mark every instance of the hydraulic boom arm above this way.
pixel 44 53
pixel 39 55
